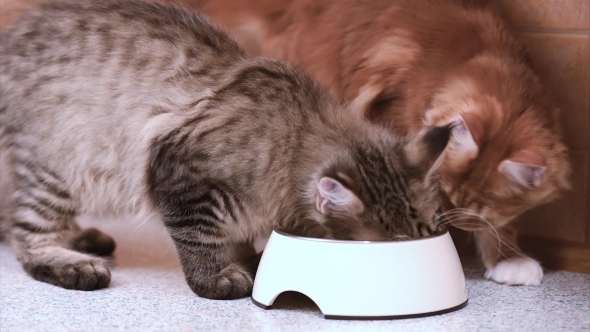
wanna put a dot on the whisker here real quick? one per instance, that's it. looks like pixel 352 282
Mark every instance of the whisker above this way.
pixel 516 250
pixel 496 234
pixel 462 214
pixel 136 228
pixel 465 217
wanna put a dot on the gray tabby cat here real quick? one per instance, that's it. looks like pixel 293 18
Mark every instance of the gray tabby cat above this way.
pixel 127 106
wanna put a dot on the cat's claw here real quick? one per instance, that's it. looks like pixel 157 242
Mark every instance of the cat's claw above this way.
pixel 518 271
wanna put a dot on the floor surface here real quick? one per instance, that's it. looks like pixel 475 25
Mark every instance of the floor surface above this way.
pixel 148 293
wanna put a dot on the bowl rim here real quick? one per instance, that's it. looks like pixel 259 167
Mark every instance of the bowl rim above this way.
pixel 299 237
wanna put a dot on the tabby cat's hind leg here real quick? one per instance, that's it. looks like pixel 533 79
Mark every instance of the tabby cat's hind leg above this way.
pixel 92 241
pixel 46 237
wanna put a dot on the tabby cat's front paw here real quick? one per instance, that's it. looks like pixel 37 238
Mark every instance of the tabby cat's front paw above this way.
pixel 233 282
pixel 84 274
pixel 518 271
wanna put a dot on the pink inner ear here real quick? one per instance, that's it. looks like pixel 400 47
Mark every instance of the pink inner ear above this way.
pixel 475 126
pixel 328 185
pixel 528 157
pixel 321 201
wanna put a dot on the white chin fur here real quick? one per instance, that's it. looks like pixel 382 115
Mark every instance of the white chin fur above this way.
pixel 517 271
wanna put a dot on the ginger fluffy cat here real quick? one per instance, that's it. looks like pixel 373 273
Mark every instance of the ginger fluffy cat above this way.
pixel 407 64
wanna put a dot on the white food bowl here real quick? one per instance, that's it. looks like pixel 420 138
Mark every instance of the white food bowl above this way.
pixel 364 279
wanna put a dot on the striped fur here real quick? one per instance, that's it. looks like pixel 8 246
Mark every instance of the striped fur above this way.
pixel 125 106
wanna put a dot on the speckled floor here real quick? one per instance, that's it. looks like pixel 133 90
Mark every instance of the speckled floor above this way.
pixel 148 293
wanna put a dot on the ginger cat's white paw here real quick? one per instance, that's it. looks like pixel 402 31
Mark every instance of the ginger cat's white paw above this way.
pixel 518 271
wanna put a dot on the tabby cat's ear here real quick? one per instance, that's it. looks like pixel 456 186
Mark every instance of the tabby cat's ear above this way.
pixel 427 150
pixel 525 168
pixel 332 196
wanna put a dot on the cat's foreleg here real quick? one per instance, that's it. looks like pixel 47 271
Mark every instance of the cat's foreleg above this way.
pixel 214 268
pixel 45 236
pixel 504 261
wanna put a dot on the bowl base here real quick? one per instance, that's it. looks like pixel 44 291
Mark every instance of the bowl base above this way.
pixel 260 305
pixel 426 314
pixel 336 317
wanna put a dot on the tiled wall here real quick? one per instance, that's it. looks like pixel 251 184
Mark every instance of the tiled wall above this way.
pixel 557 33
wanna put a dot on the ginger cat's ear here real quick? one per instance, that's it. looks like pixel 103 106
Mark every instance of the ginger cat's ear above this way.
pixel 365 99
pixel 526 168
pixel 333 197
pixel 374 103
pixel 464 146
